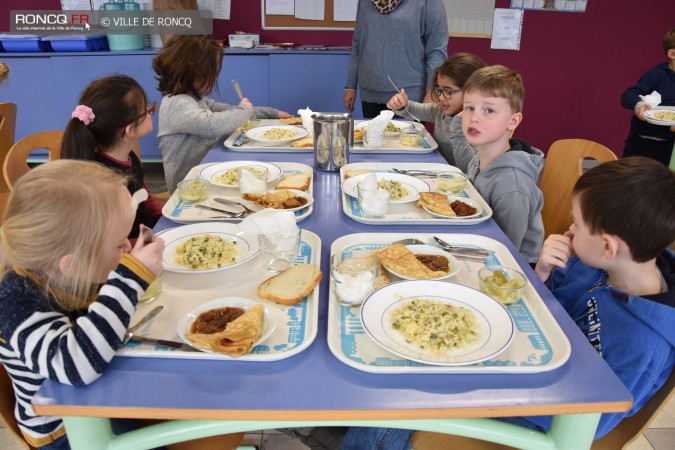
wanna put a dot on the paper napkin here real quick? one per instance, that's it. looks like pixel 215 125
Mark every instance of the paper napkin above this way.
pixel 307 121
pixel 653 99
pixel 274 224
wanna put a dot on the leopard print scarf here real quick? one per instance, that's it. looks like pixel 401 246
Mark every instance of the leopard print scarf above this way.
pixel 386 6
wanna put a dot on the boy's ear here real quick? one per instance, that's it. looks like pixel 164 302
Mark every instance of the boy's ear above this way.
pixel 515 121
pixel 671 53
pixel 611 245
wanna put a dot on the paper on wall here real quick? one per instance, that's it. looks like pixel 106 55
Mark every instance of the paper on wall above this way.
pixel 310 9
pixel 506 29
pixel 280 7
pixel 344 10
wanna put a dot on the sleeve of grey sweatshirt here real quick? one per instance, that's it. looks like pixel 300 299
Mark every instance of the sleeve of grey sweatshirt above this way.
pixel 435 38
pixel 511 211
pixel 186 116
pixel 352 72
pixel 261 112
pixel 461 149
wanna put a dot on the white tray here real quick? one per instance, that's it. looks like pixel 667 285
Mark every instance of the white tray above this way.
pixel 408 213
pixel 238 142
pixel 179 211
pixel 539 344
pixel 296 325
pixel 391 144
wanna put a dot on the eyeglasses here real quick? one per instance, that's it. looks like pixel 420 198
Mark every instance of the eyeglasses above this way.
pixel 152 109
pixel 437 91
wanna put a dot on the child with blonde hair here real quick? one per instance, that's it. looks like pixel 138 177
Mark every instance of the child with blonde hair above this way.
pixel 448 101
pixel 112 115
pixel 190 123
pixel 67 294
pixel 504 170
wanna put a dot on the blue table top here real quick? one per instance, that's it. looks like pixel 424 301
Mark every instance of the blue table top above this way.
pixel 314 385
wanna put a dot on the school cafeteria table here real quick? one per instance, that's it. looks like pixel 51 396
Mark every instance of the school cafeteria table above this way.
pixel 314 388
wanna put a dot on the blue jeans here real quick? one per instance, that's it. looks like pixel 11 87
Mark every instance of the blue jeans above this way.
pixel 59 444
pixel 364 438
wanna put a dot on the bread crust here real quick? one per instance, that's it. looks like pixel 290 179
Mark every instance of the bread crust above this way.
pixel 286 183
pixel 355 172
pixel 308 287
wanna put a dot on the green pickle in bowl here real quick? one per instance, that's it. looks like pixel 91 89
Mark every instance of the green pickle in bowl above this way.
pixel 501 283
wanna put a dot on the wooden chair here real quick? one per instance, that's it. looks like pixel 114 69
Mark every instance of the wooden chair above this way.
pixel 15 164
pixel 7 403
pixel 562 169
pixel 161 197
pixel 7 130
pixel 624 434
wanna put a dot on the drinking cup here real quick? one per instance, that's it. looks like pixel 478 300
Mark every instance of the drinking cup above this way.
pixel 372 203
pixel 153 290
pixel 253 180
pixel 279 253
pixel 353 274
pixel 453 182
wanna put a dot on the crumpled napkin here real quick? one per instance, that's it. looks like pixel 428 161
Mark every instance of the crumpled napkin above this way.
pixel 378 124
pixel 275 225
pixel 307 121
pixel 374 200
pixel 653 99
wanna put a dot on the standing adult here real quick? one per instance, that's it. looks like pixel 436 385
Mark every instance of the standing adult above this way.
pixel 406 39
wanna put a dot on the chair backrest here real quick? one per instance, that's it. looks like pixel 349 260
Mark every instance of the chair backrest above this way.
pixel 15 164
pixel 7 130
pixel 7 403
pixel 562 169
pixel 630 428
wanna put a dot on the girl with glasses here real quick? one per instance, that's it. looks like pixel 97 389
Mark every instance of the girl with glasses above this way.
pixel 447 96
pixel 112 115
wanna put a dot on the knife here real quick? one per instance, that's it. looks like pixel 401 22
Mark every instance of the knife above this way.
pixel 163 342
pixel 210 208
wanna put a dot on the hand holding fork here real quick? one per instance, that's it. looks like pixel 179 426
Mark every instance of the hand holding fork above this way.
pixel 399 101
pixel 244 101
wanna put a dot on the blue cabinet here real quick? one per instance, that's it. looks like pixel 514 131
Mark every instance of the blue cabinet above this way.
pixel 46 86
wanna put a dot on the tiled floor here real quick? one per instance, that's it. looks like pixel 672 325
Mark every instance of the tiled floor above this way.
pixel 660 436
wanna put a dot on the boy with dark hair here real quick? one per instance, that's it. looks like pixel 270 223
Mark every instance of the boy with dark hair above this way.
pixel 644 138
pixel 504 170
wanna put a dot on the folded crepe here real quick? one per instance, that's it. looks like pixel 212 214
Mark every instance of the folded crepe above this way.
pixel 238 337
pixel 436 202
pixel 401 260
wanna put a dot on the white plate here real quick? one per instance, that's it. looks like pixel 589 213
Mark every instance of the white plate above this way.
pixel 412 184
pixel 397 123
pixel 430 250
pixel 213 171
pixel 649 116
pixel 298 193
pixel 247 244
pixel 496 325
pixel 452 198
pixel 256 134
pixel 185 322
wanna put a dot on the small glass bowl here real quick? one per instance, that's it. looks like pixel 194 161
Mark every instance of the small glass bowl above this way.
pixel 410 137
pixel 502 283
pixel 453 182
pixel 194 190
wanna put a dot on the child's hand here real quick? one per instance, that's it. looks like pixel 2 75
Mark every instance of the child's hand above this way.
pixel 398 101
pixel 640 112
pixel 556 251
pixel 149 254
pixel 285 115
pixel 245 102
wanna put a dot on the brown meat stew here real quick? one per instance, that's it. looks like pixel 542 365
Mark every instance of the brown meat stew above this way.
pixel 215 320
pixel 434 262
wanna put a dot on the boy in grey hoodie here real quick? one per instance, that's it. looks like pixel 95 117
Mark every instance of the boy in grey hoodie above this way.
pixel 504 170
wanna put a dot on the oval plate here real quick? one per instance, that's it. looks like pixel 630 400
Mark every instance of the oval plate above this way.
pixel 496 324
pixel 429 250
pixel 213 171
pixel 397 123
pixel 256 134
pixel 247 244
pixel 298 193
pixel 452 198
pixel 412 184
pixel 185 322
pixel 649 116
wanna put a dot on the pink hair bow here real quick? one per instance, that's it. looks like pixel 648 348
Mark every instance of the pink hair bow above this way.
pixel 84 113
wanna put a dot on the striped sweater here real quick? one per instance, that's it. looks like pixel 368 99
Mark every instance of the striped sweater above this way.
pixel 39 341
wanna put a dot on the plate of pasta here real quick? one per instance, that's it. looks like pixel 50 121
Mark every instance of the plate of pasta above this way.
pixel 207 247
pixel 437 323
pixel 663 115
pixel 276 135
pixel 402 188
pixel 227 174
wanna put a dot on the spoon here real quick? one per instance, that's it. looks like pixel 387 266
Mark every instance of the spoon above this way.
pixel 148 235
pixel 399 91
pixel 156 310
pixel 232 202
pixel 235 84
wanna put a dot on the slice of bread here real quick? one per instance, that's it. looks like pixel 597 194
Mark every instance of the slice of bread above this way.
pixel 382 277
pixel 299 181
pixel 292 285
pixel 353 173
pixel 305 142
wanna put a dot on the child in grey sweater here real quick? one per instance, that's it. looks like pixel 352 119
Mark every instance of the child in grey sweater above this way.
pixel 189 122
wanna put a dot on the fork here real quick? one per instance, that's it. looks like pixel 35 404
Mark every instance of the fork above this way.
pixel 418 173
pixel 399 91
pixel 228 214
pixel 457 252
pixel 252 118
pixel 457 248
pixel 232 202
